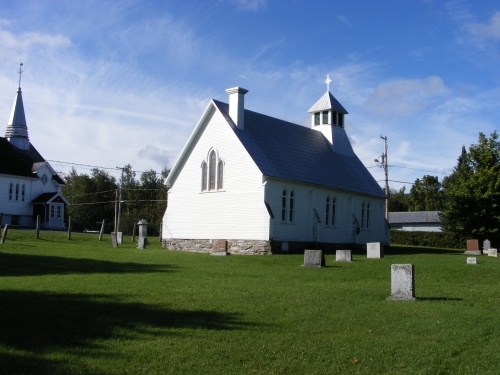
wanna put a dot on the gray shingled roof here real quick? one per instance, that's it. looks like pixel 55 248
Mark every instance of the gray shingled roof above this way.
pixel 327 102
pixel 289 151
pixel 16 126
pixel 414 217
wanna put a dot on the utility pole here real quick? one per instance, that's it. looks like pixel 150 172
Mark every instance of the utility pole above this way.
pixel 120 202
pixel 382 163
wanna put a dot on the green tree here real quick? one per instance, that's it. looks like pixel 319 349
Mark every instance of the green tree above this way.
pixel 472 191
pixel 398 200
pixel 426 195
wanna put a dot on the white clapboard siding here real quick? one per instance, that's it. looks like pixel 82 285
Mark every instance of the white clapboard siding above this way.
pixel 236 212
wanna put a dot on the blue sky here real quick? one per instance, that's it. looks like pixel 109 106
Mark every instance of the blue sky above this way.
pixel 118 82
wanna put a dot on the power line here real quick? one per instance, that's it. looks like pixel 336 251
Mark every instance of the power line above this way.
pixel 96 166
pixel 416 169
pixel 130 201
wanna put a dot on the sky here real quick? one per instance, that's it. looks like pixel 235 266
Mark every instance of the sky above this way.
pixel 111 83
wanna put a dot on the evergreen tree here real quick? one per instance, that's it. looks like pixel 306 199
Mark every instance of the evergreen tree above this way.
pixel 426 195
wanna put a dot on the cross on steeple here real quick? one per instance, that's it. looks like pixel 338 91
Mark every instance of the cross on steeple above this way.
pixel 328 80
pixel 20 72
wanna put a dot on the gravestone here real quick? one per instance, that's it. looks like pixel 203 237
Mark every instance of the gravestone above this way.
pixel 102 230
pixel 114 240
pixel 473 247
pixel 402 283
pixel 486 245
pixel 343 256
pixel 219 248
pixel 313 258
pixel 119 237
pixel 493 253
pixel 471 260
pixel 4 234
pixel 141 243
pixel 143 230
pixel 374 250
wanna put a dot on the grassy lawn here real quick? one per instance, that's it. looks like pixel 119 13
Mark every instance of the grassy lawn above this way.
pixel 83 307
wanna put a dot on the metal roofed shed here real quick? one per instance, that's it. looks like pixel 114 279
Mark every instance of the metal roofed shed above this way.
pixel 424 221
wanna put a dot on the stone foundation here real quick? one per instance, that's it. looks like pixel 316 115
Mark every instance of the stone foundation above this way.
pixel 257 247
pixel 243 247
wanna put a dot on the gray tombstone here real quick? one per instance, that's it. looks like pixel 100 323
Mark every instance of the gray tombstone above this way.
pixel 119 237
pixel 343 256
pixel 219 248
pixel 486 245
pixel 471 260
pixel 493 253
pixel 313 258
pixel 374 250
pixel 143 230
pixel 4 234
pixel 141 243
pixel 402 283
pixel 114 240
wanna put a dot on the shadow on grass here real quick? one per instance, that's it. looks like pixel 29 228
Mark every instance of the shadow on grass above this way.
pixel 439 299
pixel 413 250
pixel 36 265
pixel 38 323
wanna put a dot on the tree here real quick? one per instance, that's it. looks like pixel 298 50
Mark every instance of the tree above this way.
pixel 426 195
pixel 91 198
pixel 472 191
pixel 398 200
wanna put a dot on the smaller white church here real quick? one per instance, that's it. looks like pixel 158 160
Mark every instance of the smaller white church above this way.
pixel 264 185
pixel 29 186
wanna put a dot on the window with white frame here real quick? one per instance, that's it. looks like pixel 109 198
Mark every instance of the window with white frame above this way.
pixel 334 204
pixel 327 211
pixel 23 192
pixel 291 206
pixel 367 215
pixel 363 215
pixel 284 199
pixel 330 210
pixel 212 173
pixel 17 192
pixel 10 191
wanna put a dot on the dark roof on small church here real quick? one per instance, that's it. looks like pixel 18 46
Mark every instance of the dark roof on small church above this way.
pixel 18 162
pixel 416 217
pixel 289 151
pixel 49 197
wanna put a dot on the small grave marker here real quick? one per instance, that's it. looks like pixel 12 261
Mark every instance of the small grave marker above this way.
pixel 343 256
pixel 219 248
pixel 313 258
pixel 374 250
pixel 114 239
pixel 486 245
pixel 493 253
pixel 119 237
pixel 473 247
pixel 402 283
pixel 471 260
pixel 4 234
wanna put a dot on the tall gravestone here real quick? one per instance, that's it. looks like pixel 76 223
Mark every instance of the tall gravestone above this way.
pixel 313 258
pixel 219 248
pixel 473 247
pixel 4 234
pixel 343 256
pixel 114 239
pixel 486 245
pixel 143 230
pixel 402 283
pixel 374 250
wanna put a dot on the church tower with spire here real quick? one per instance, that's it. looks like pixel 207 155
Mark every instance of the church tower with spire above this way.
pixel 327 117
pixel 17 129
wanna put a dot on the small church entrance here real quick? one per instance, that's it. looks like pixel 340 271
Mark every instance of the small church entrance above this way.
pixel 56 215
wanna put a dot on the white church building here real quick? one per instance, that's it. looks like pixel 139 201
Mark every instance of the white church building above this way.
pixel 29 186
pixel 264 185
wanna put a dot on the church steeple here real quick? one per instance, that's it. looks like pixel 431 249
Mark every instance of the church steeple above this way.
pixel 328 118
pixel 17 129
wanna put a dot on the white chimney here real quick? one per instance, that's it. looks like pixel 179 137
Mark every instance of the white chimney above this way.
pixel 237 105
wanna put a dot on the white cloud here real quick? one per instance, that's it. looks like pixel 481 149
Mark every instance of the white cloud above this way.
pixel 161 157
pixel 490 30
pixel 30 39
pixel 344 20
pixel 405 97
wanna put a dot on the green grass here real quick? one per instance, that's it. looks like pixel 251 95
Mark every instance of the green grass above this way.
pixel 83 307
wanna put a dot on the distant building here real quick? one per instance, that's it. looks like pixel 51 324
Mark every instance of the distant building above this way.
pixel 262 183
pixel 425 221
pixel 29 186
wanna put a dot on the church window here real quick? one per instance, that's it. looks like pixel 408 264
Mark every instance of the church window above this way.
pixel 203 176
pixel 317 118
pixel 334 118
pixel 368 215
pixel 58 211
pixel 327 216
pixel 363 215
pixel 290 206
pixel 220 175
pixel 334 202
pixel 10 191
pixel 341 120
pixel 283 205
pixel 23 192
pixel 325 117
pixel 17 192
pixel 52 211
pixel 211 171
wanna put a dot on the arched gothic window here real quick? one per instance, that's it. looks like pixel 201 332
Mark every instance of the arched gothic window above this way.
pixel 10 191
pixel 23 192
pixel 220 175
pixel 327 214
pixel 211 171
pixel 17 192
pixel 363 215
pixel 203 176
pixel 334 202
pixel 368 215
pixel 290 206
pixel 283 205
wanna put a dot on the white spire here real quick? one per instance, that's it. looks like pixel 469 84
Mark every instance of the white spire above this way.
pixel 17 129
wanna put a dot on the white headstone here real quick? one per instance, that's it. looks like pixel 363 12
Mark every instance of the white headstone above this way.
pixel 402 283
pixel 471 260
pixel 493 253
pixel 313 258
pixel 119 237
pixel 374 250
pixel 343 256
pixel 486 245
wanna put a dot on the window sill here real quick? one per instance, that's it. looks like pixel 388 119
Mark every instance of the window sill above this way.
pixel 212 191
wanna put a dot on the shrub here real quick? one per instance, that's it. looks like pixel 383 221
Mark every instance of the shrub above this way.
pixel 433 239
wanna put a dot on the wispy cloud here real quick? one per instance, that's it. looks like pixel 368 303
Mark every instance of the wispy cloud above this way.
pixel 248 5
pixel 489 30
pixel 344 20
